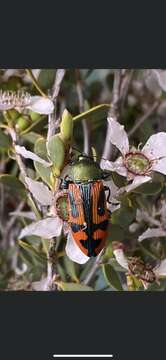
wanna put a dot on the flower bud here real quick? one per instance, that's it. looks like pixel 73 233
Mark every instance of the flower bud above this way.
pixel 34 116
pixel 66 127
pixel 22 123
pixel 13 114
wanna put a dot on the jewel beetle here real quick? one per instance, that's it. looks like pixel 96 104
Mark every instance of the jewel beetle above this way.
pixel 88 215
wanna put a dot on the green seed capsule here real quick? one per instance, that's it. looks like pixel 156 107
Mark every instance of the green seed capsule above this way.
pixel 22 123
pixel 34 116
pixel 13 114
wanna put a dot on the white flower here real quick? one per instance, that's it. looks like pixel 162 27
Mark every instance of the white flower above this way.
pixel 23 100
pixel 136 165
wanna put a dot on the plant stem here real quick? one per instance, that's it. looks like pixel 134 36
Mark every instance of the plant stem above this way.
pixel 86 130
pixel 92 270
pixel 141 120
pixel 52 120
pixel 35 83
pixel 22 168
pixel 113 112
pixel 52 257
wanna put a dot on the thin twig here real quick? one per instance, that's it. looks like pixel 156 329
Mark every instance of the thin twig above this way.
pixel 14 217
pixel 22 169
pixel 52 259
pixel 60 73
pixel 85 126
pixel 93 269
pixel 52 123
pixel 51 265
pixel 52 120
pixel 141 120
pixel 9 226
pixel 125 87
pixel 114 112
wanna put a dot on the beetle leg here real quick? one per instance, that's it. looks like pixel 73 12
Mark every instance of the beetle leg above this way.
pixel 106 188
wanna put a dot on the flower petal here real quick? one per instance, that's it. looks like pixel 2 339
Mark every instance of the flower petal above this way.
pixel 121 258
pixel 41 105
pixel 160 166
pixel 155 146
pixel 73 251
pixel 138 180
pixel 116 166
pixel 21 150
pixel 118 136
pixel 161 269
pixel 40 191
pixel 150 233
pixel 46 228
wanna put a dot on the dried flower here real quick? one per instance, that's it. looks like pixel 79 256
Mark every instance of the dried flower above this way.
pixel 137 267
pixel 23 100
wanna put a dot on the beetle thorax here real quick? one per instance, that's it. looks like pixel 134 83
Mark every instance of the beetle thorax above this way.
pixel 85 169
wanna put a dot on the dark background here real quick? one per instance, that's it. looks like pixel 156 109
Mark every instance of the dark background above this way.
pixel 38 325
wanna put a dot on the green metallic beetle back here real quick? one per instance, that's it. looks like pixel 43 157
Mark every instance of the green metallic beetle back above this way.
pixel 85 169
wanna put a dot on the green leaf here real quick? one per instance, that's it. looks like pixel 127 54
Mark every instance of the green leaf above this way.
pixel 56 150
pixel 37 125
pixel 100 111
pixel 5 141
pixel 123 216
pixel 46 78
pixel 61 272
pixel 33 254
pixel 70 269
pixel 115 233
pixel 13 184
pixel 112 277
pixel 31 137
pixel 74 287
pixel 40 150
pixel 149 188
pixel 118 179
